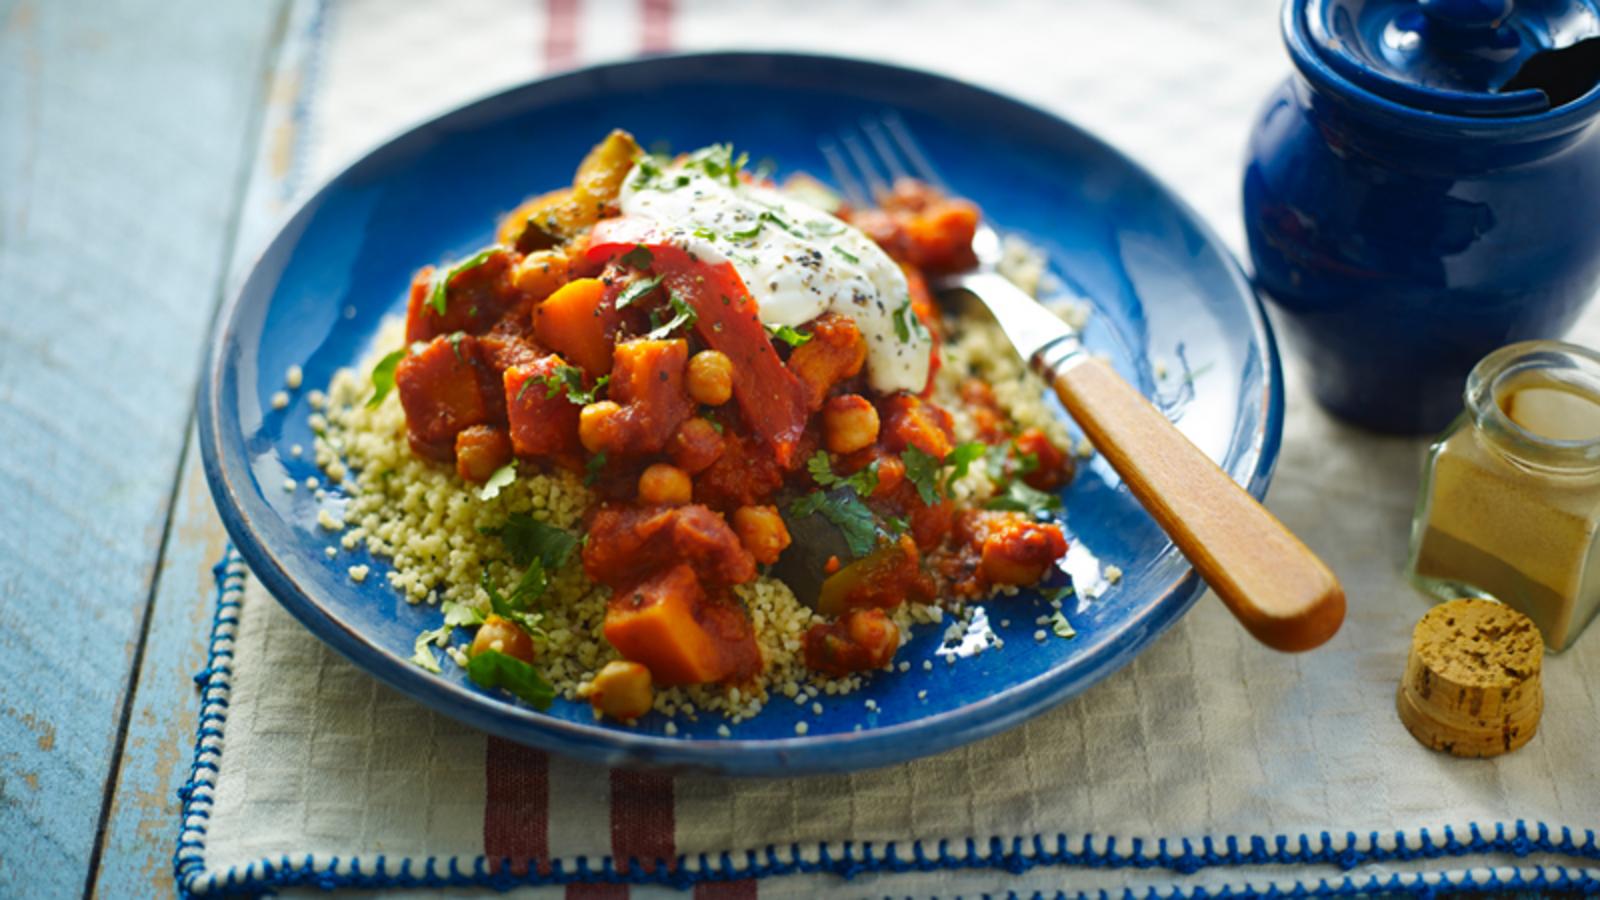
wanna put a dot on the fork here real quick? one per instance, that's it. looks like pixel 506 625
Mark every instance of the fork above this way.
pixel 1277 588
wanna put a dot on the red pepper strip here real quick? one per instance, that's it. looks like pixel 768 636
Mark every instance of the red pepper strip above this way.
pixel 771 398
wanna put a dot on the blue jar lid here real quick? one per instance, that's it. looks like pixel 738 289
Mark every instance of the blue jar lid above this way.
pixel 1458 57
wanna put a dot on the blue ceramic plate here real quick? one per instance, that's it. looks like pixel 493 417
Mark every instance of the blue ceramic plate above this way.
pixel 1167 298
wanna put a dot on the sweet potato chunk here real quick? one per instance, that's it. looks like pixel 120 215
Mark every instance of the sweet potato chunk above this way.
pixel 540 425
pixel 744 474
pixel 654 623
pixel 835 352
pixel 626 543
pixel 445 388
pixel 1053 468
pixel 648 399
pixel 475 299
pixel 572 322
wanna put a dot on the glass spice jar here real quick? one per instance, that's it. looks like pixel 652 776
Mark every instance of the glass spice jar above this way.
pixel 1510 501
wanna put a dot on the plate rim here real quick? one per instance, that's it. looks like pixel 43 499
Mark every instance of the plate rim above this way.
pixel 821 753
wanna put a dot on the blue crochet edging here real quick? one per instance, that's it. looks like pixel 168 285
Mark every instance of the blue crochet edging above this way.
pixel 850 859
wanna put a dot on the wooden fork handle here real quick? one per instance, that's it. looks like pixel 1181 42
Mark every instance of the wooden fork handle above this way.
pixel 1274 585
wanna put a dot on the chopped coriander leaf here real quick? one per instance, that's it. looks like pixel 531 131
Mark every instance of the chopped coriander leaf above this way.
pixel 863 482
pixel 846 511
pixel 685 317
pixel 455 344
pixel 745 234
pixel 639 257
pixel 636 290
pixel 492 669
pixel 789 335
pixel 591 469
pixel 502 477
pixel 383 377
pixel 1061 627
pixel 849 258
pixel 513 607
pixel 716 423
pixel 1059 594
pixel 769 216
pixel 422 649
pixel 528 539
pixel 719 161
pixel 907 324
pixel 960 460
pixel 1019 497
pixel 438 298
pixel 896 525
pixel 923 471
pixel 705 233
pixel 461 614
pixel 568 379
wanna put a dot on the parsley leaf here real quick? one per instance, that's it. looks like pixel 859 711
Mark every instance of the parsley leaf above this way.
pixel 636 290
pixel 719 161
pixel 685 317
pixel 639 257
pixel 747 233
pixel 462 614
pixel 960 461
pixel 422 650
pixel 438 298
pixel 591 469
pixel 907 324
pixel 1017 496
pixel 455 345
pixel 569 379
pixel 492 669
pixel 527 539
pixel 846 511
pixel 848 257
pixel 789 335
pixel 863 482
pixel 383 377
pixel 923 470
pixel 502 477
pixel 1061 627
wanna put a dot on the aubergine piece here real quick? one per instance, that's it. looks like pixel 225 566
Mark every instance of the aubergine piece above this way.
pixel 815 540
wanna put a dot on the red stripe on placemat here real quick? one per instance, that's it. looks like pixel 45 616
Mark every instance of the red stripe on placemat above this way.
pixel 656 33
pixel 597 892
pixel 560 34
pixel 642 824
pixel 516 806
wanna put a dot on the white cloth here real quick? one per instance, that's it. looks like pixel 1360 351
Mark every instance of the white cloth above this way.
pixel 1205 735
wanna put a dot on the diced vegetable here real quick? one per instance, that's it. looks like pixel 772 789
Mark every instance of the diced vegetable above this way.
pixel 654 623
pixel 1012 547
pixel 695 445
pixel 649 400
pixel 1052 468
pixel 572 323
pixel 884 579
pixel 445 388
pixel 837 351
pixel 910 422
pixel 474 299
pixel 626 543
pixel 540 425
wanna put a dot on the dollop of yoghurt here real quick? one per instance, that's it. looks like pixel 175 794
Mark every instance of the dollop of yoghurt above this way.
pixel 798 261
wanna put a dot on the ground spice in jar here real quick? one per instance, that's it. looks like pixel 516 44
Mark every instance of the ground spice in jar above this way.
pixel 1510 506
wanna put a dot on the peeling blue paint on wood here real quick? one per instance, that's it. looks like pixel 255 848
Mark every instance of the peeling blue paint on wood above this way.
pixel 124 131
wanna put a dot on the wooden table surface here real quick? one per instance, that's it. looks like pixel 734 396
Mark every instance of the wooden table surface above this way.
pixel 127 131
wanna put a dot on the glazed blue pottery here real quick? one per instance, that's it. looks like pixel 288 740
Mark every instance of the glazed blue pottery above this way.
pixel 1424 189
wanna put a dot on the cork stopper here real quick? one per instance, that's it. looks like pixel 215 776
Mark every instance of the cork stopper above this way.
pixel 1472 683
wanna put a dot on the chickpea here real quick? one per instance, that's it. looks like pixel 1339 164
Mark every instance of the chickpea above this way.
pixel 505 636
pixel 710 378
pixel 695 445
pixel 540 273
pixel 762 531
pixel 622 690
pixel 594 422
pixel 849 423
pixel 480 451
pixel 665 485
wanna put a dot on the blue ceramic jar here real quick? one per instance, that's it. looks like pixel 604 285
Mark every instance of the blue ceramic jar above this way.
pixel 1419 193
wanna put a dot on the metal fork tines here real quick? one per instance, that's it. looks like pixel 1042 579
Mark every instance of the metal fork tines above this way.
pixel 866 162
